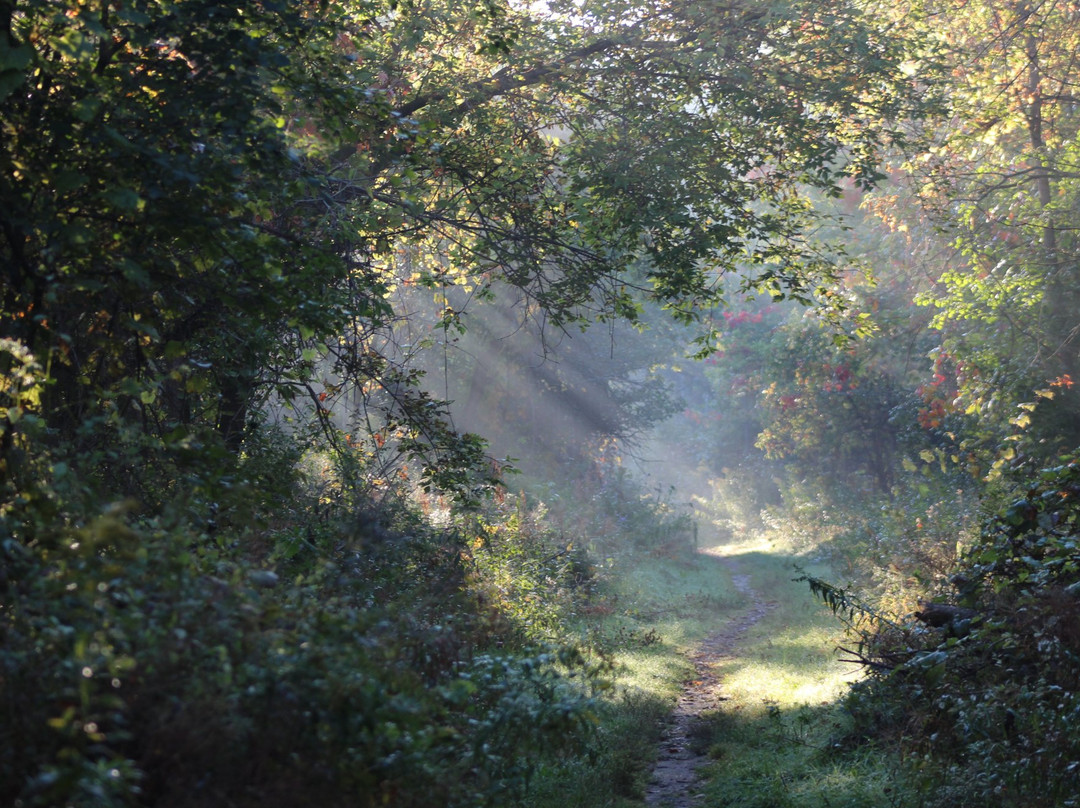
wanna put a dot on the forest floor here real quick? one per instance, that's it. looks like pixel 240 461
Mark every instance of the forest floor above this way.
pixel 760 722
pixel 729 693
pixel 675 780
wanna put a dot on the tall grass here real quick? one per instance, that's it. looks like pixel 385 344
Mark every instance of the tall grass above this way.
pixel 780 737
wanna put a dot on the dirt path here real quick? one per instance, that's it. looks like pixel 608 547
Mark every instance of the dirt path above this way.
pixel 674 782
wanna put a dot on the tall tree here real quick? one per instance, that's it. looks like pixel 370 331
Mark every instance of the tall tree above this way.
pixel 198 200
pixel 1002 183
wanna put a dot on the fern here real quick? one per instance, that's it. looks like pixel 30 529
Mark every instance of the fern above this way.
pixel 846 606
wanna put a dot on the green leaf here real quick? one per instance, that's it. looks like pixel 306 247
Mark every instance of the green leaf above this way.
pixel 16 58
pixel 175 349
pixel 13 64
pixel 135 273
pixel 86 108
pixel 197 384
pixel 10 81
pixel 68 180
pixel 75 45
pixel 124 199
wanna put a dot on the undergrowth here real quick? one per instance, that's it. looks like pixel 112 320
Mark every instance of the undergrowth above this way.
pixel 982 693
pixel 327 652
pixel 285 636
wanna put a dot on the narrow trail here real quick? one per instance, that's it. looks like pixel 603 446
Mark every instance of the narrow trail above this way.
pixel 675 782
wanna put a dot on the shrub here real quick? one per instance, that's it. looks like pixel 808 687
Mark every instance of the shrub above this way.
pixel 144 664
pixel 989 695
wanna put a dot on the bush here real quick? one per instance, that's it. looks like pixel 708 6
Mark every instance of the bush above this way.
pixel 989 698
pixel 145 664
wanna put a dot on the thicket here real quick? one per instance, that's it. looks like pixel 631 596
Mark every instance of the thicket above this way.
pixel 978 688
pixel 312 653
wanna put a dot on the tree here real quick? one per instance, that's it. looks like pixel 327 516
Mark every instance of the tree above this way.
pixel 1001 185
pixel 198 201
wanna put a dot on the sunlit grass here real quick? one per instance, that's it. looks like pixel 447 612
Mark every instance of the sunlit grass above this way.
pixel 657 672
pixel 789 668
pixel 650 611
pixel 780 738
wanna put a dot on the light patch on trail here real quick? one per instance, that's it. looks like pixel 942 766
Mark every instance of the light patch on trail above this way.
pixel 675 782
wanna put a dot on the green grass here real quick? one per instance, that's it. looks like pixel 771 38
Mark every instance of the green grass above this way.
pixel 650 611
pixel 781 737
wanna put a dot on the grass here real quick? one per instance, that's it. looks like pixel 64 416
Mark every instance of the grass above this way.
pixel 650 611
pixel 781 737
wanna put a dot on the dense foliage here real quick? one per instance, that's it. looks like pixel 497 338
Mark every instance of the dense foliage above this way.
pixel 275 278
pixel 145 663
pixel 221 226
pixel 984 690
